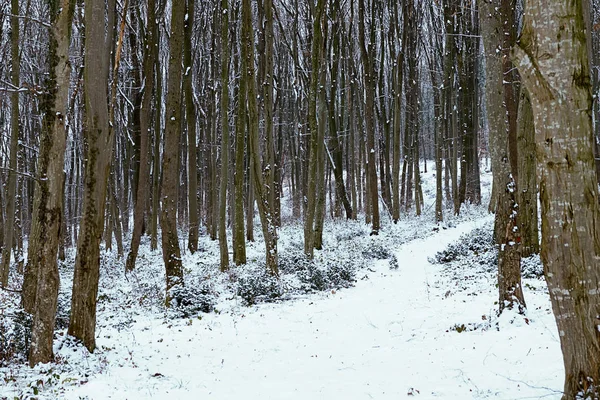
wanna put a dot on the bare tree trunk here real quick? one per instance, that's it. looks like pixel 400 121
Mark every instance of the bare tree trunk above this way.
pixel 336 148
pixel 225 135
pixel 190 113
pixel 313 169
pixel 497 23
pixel 266 216
pixel 156 171
pixel 527 218
pixel 41 282
pixel 558 81
pixel 11 192
pixel 321 189
pixel 145 116
pixel 98 151
pixel 397 127
pixel 170 165
pixel 367 57
pixel 238 238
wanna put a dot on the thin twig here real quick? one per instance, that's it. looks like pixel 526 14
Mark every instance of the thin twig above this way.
pixel 47 25
pixel 11 290
pixel 21 173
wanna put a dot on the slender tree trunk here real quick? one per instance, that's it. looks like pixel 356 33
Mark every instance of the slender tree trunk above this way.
pixel 145 115
pixel 239 241
pixel 266 216
pixel 170 165
pixel 367 57
pixel 397 127
pixel 190 113
pixel 321 189
pixel 313 123
pixel 11 192
pixel 558 81
pixel 336 147
pixel 225 135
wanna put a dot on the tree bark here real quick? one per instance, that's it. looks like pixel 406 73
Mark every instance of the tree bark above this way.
pixel 170 165
pixel 367 58
pixel 527 218
pixel 238 238
pixel 553 62
pixel 190 113
pixel 41 282
pixel 99 143
pixel 145 116
pixel 264 210
pixel 313 123
pixel 224 135
pixel 11 192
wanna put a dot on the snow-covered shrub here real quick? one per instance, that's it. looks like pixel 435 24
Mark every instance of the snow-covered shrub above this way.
pixel 15 336
pixel 479 242
pixel 63 311
pixel 341 275
pixel 189 300
pixel 349 230
pixel 293 260
pixel 148 293
pixel 255 285
pixel 377 250
pixel 531 267
pixel 312 278
pixel 340 268
pixel 393 262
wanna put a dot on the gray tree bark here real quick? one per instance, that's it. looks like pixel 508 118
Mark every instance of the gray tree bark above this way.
pixel 553 61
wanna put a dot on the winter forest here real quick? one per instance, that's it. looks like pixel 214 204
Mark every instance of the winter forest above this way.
pixel 299 199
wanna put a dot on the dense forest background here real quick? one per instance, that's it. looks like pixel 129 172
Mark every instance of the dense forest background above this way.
pixel 174 119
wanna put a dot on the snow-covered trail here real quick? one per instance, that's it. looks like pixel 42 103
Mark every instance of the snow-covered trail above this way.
pixel 387 338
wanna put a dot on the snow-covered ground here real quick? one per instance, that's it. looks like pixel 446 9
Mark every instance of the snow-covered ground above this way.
pixel 423 330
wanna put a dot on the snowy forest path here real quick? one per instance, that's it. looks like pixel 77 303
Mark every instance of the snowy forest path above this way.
pixel 390 337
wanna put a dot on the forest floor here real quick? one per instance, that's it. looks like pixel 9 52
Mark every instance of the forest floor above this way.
pixel 419 320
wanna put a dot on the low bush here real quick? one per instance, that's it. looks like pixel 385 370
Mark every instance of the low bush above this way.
pixel 189 300
pixel 255 285
pixel 15 336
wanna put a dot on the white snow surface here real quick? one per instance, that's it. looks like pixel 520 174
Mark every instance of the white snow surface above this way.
pixel 421 331
pixel 387 338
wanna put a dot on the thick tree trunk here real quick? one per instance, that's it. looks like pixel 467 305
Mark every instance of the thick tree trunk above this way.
pixel 41 282
pixel 527 218
pixel 496 32
pixel 99 144
pixel 558 80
